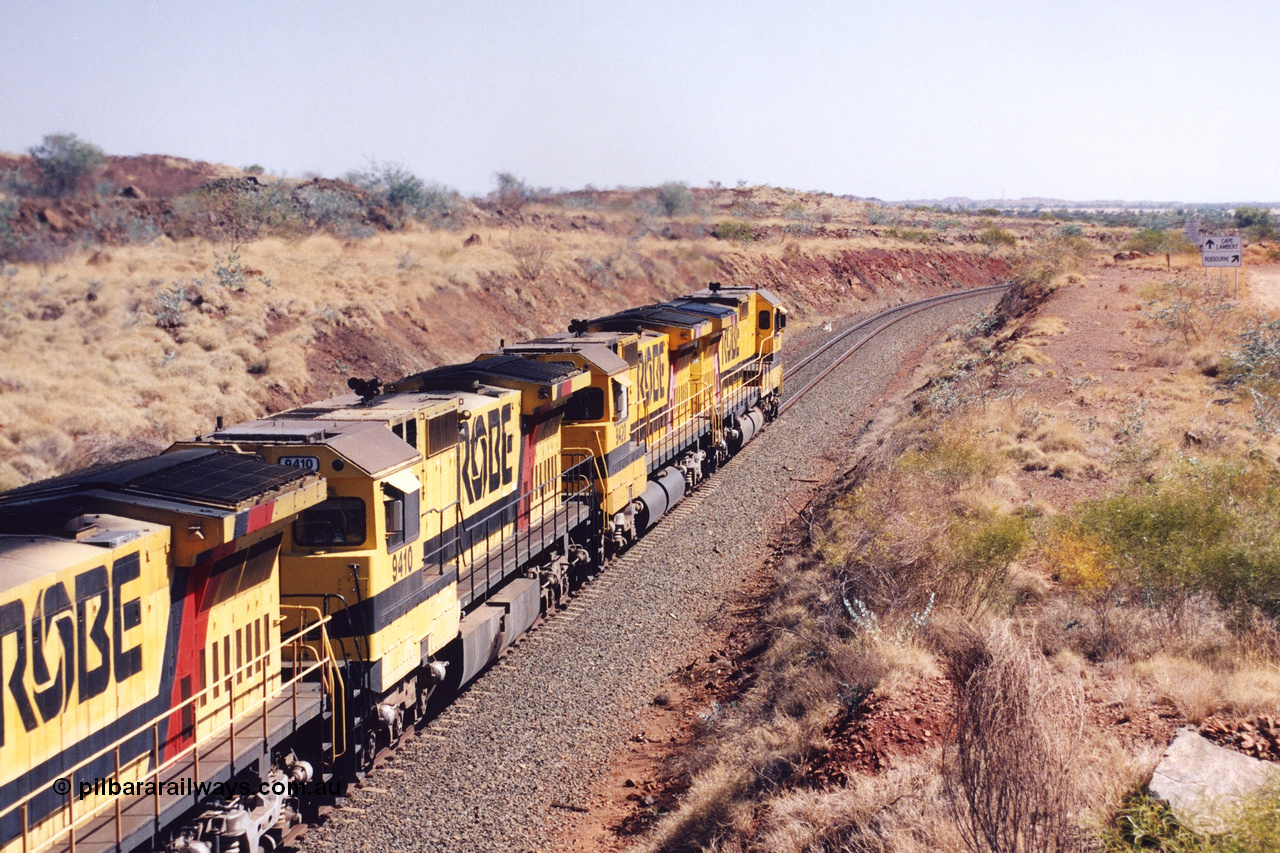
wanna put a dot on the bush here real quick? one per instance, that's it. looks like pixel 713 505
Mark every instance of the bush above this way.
pixel 910 235
pixel 393 186
pixel 1257 361
pixel 512 193
pixel 1144 823
pixel 1255 221
pixel 9 239
pixel 674 198
pixel 341 213
pixel 995 237
pixel 877 215
pixel 1008 770
pixel 732 229
pixel 1210 530
pixel 64 161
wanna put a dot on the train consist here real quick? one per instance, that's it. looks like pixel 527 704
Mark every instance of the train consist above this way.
pixel 198 648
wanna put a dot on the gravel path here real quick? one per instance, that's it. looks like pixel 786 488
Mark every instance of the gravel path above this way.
pixel 500 767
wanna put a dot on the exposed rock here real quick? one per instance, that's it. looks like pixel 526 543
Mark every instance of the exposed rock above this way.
pixel 1258 737
pixel 132 192
pixel 55 220
pixel 1200 780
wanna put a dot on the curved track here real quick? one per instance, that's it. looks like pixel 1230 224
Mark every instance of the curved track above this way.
pixel 503 766
pixel 819 364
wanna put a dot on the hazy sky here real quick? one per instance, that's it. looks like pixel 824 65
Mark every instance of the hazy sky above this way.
pixel 1159 100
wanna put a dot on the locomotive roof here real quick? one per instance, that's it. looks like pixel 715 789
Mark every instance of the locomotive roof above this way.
pixel 592 346
pixel 661 315
pixel 734 292
pixel 357 431
pixel 31 555
pixel 369 445
pixel 200 478
pixel 461 376
pixel 239 494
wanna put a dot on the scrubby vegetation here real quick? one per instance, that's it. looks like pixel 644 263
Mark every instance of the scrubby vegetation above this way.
pixel 930 562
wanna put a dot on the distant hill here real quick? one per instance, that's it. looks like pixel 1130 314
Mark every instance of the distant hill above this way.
pixel 1101 205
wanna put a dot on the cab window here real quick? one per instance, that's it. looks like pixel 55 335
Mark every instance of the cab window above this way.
pixel 336 521
pixel 619 401
pixel 402 516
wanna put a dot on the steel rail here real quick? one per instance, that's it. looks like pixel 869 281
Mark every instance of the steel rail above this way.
pixel 943 297
pixel 911 308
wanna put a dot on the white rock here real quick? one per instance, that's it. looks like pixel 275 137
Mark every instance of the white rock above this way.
pixel 1201 781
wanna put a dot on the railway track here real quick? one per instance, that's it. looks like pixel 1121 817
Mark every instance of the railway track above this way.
pixel 500 767
pixel 818 364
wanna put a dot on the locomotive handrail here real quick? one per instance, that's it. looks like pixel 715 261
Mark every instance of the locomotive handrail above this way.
pixel 337 688
pixel 74 821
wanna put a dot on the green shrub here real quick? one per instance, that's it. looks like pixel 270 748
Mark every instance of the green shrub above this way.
pixel 878 215
pixel 336 211
pixel 1256 222
pixel 1146 824
pixel 64 161
pixel 512 193
pixel 1209 529
pixel 732 229
pixel 1257 361
pixel 8 236
pixel 1152 241
pixel 910 235
pixel 994 237
pixel 393 186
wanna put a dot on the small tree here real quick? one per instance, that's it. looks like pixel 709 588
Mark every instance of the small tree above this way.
pixel 1154 241
pixel 512 193
pixel 393 185
pixel 1255 221
pixel 64 161
pixel 674 198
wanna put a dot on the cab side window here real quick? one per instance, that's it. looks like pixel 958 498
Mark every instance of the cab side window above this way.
pixel 402 516
pixel 619 401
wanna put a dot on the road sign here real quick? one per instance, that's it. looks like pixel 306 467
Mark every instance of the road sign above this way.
pixel 1216 243
pixel 1220 259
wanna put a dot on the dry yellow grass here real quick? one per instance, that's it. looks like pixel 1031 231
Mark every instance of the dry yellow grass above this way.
pixel 900 810
pixel 1198 690
pixel 86 363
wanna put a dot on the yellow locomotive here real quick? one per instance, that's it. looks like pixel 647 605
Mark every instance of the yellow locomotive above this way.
pixel 140 616
pixel 345 559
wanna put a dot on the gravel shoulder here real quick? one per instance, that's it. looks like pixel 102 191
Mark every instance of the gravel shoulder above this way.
pixel 522 754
